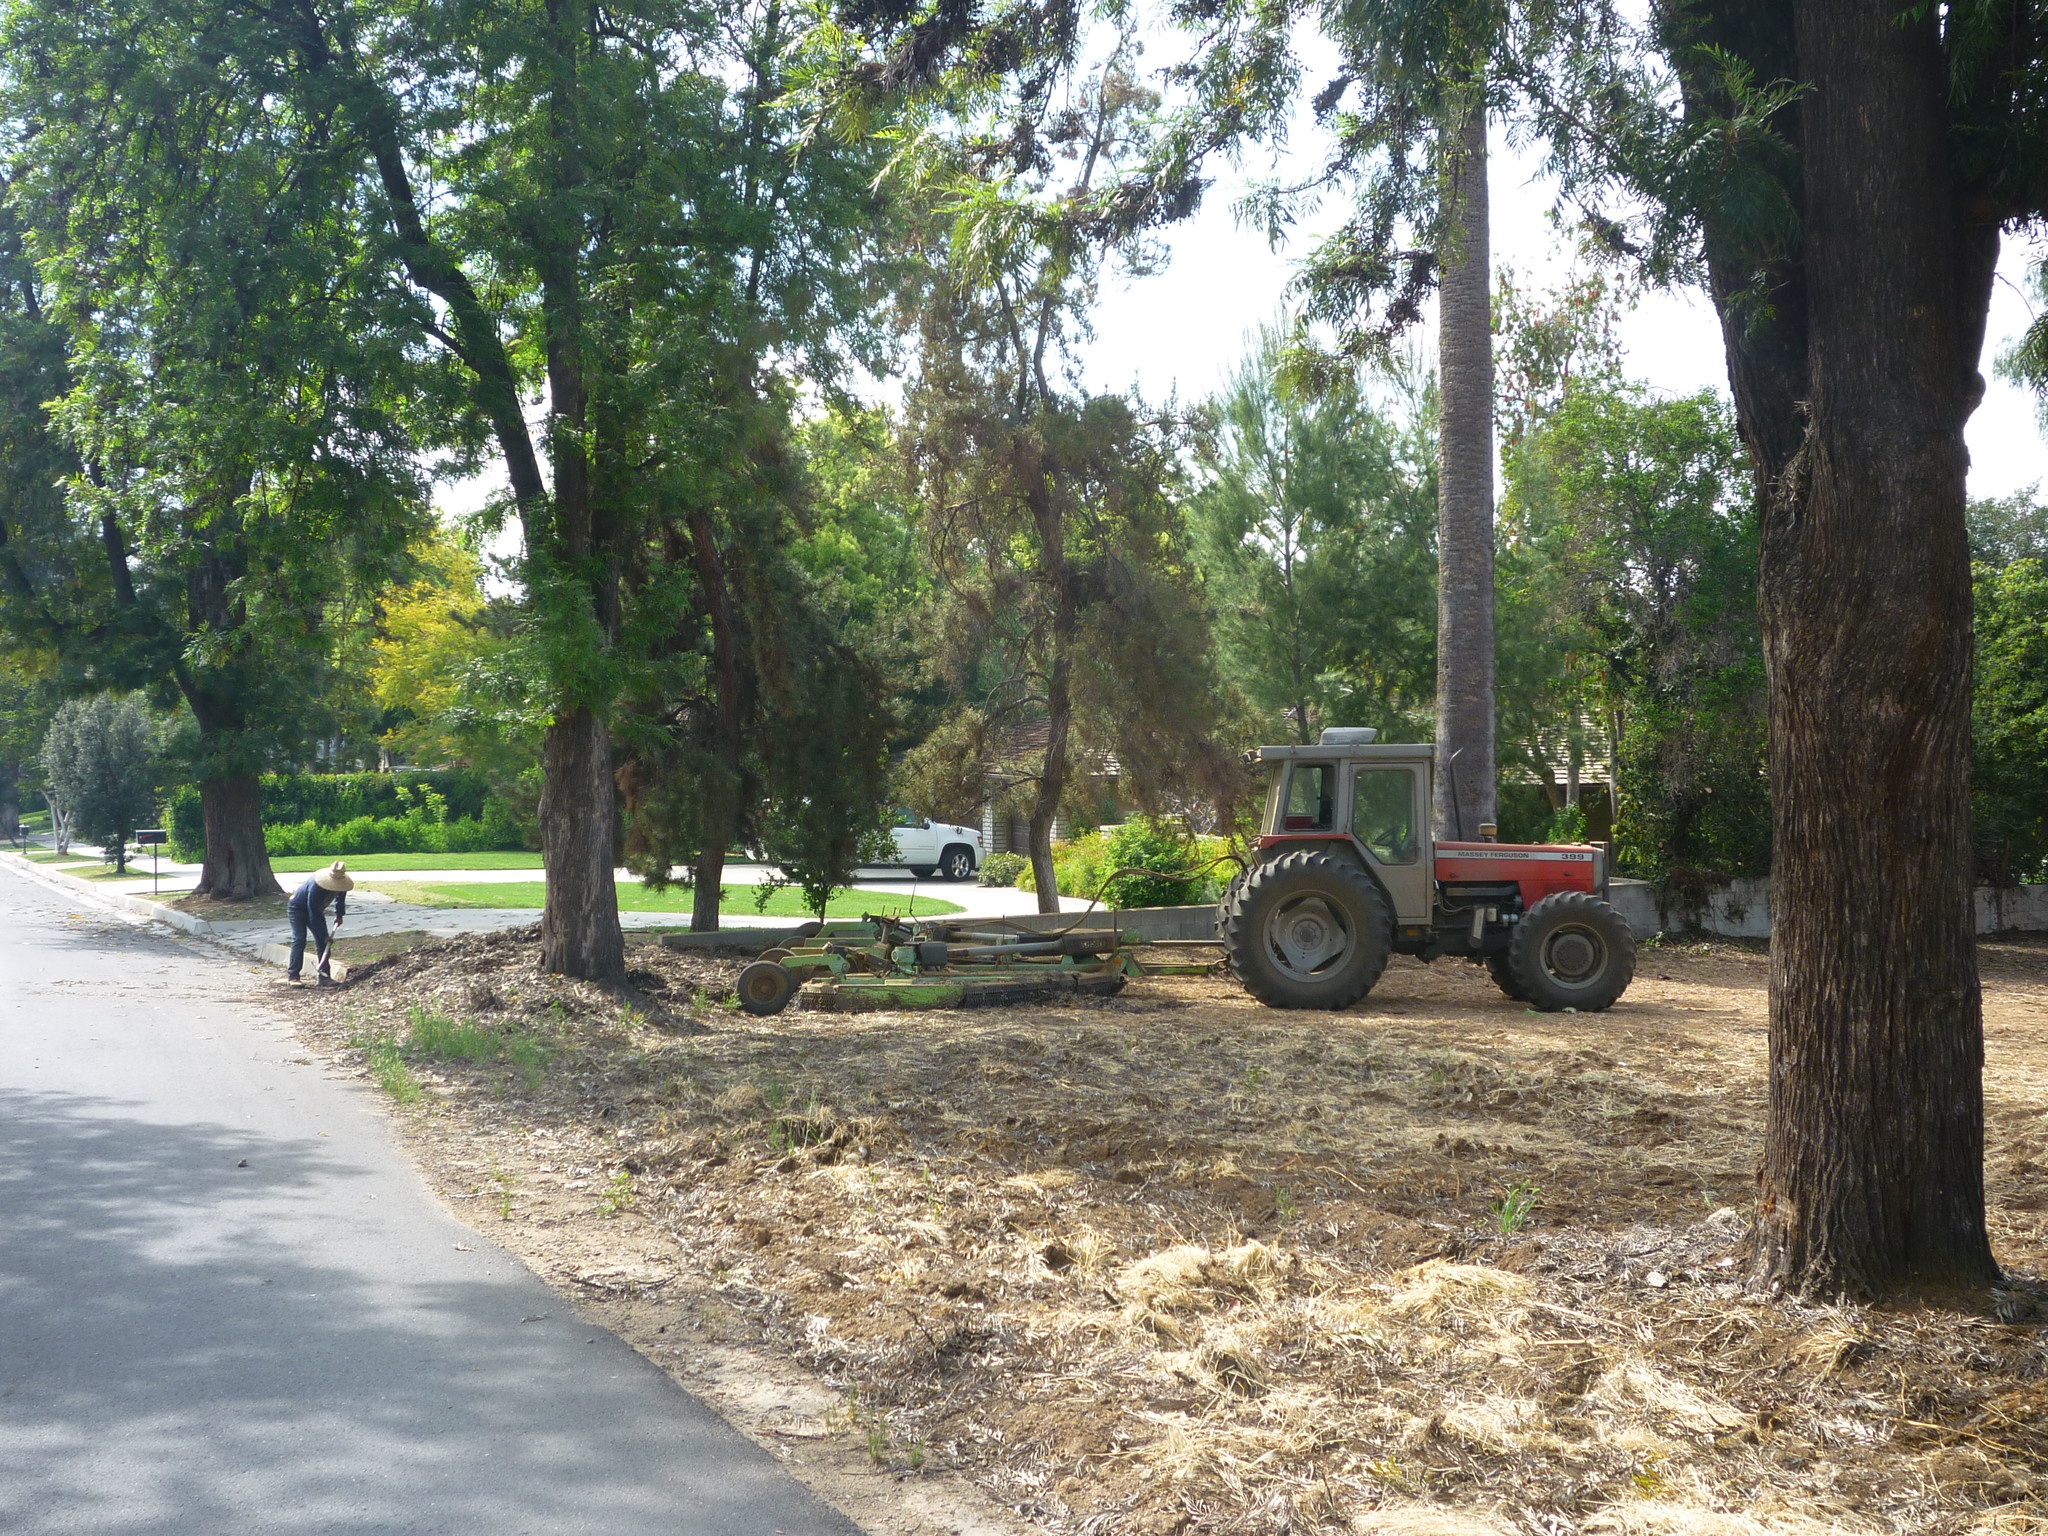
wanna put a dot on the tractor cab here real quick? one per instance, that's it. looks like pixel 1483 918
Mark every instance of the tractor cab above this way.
pixel 1348 873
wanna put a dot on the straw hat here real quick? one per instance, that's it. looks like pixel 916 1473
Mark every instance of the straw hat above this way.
pixel 334 878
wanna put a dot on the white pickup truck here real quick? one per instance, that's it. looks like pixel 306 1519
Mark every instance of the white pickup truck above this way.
pixel 930 847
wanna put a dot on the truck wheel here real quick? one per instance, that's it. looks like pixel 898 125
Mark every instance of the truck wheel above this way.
pixel 1307 930
pixel 1503 974
pixel 958 864
pixel 1572 950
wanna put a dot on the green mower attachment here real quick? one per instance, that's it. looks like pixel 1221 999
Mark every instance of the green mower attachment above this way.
pixel 886 963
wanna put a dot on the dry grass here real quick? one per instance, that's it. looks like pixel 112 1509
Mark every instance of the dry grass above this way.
pixel 1174 1263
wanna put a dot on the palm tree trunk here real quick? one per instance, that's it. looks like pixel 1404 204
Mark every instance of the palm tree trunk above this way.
pixel 1464 645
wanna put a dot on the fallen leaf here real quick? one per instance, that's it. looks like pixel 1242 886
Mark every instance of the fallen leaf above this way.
pixel 464 1248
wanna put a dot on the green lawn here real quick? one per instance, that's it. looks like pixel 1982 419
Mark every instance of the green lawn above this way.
pixel 734 901
pixel 363 863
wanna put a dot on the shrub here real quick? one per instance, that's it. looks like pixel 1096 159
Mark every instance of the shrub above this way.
pixel 363 813
pixel 1174 863
pixel 1076 866
pixel 1188 870
pixel 1003 868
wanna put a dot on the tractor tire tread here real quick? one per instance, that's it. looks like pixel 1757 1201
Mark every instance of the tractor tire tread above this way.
pixel 1502 970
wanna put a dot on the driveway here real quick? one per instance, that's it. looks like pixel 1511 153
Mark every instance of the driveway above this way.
pixel 228 1305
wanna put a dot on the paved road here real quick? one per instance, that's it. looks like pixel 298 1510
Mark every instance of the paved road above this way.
pixel 228 1306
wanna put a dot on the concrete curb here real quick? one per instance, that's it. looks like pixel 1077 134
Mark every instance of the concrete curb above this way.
pixel 71 885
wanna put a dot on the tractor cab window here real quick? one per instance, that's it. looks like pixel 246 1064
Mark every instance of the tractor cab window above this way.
pixel 1383 813
pixel 1311 802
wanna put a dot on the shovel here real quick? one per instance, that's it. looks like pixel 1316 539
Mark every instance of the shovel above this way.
pixel 320 976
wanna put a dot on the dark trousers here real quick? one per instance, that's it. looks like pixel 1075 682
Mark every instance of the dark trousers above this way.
pixel 302 923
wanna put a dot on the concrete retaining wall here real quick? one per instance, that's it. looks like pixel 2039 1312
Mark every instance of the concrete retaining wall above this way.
pixel 1148 922
pixel 1742 910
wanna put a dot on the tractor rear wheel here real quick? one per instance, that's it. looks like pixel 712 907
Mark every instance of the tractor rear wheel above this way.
pixel 1572 950
pixel 1502 970
pixel 1307 930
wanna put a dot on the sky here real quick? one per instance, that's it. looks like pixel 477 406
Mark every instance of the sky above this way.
pixel 1188 327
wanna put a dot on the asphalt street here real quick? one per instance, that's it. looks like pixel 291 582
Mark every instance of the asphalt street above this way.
pixel 228 1305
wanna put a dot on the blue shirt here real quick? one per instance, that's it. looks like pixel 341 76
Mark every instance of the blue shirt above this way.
pixel 313 896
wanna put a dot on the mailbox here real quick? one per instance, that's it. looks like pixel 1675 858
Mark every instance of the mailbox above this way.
pixel 146 836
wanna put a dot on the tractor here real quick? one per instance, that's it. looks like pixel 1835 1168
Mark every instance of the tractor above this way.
pixel 1348 874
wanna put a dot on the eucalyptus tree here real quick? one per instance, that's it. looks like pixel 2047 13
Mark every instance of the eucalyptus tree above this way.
pixel 1068 615
pixel 227 398
pixel 1838 174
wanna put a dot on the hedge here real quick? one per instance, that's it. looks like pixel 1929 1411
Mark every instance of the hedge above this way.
pixel 1180 872
pixel 446 811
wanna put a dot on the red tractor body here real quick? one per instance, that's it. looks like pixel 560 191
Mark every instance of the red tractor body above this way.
pixel 1348 874
pixel 1536 869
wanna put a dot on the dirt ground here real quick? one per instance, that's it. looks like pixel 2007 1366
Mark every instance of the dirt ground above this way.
pixel 1171 1262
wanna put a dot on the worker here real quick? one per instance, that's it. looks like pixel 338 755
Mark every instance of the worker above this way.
pixel 308 912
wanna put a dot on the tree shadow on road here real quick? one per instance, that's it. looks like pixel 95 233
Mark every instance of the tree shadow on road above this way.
pixel 205 1329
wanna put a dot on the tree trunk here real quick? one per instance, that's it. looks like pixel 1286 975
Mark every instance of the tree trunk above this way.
pixel 579 929
pixel 236 865
pixel 1852 395
pixel 709 874
pixel 721 809
pixel 1052 784
pixel 10 801
pixel 1050 527
pixel 1464 643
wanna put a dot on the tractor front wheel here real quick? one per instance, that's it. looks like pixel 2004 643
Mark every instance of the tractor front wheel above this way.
pixel 1307 930
pixel 1571 950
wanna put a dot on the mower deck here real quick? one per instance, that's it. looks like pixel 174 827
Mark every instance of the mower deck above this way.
pixel 885 964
